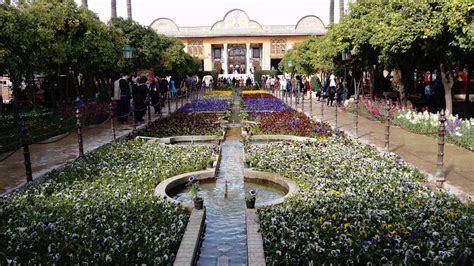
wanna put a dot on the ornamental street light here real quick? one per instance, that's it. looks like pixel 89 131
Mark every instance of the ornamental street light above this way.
pixel 127 51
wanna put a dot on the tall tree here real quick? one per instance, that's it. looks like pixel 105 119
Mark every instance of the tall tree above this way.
pixel 113 5
pixel 84 3
pixel 331 11
pixel 129 9
pixel 341 9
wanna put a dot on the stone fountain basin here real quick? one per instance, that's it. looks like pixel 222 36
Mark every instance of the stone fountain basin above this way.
pixel 173 184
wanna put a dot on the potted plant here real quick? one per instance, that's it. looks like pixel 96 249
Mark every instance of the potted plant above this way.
pixel 193 184
pixel 250 197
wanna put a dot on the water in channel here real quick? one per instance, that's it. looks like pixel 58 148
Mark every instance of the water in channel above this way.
pixel 224 241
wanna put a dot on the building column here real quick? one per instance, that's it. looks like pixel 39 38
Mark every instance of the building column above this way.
pixel 247 61
pixel 224 60
pixel 266 59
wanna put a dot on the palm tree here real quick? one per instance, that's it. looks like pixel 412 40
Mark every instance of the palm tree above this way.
pixel 129 9
pixel 84 3
pixel 341 9
pixel 331 12
pixel 114 8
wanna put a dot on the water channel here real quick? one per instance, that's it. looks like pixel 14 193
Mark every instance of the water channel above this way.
pixel 224 240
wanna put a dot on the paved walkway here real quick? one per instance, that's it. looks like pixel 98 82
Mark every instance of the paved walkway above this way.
pixel 416 149
pixel 46 157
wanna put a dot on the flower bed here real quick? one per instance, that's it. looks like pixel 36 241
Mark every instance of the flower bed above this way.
pixel 287 122
pixel 252 92
pixel 459 131
pixel 208 104
pixel 357 206
pixel 258 96
pixel 101 209
pixel 185 124
pixel 46 123
pixel 267 103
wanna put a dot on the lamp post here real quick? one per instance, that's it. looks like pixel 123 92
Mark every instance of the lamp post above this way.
pixel 127 51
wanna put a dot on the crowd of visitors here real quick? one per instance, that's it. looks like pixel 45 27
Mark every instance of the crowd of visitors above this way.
pixel 139 89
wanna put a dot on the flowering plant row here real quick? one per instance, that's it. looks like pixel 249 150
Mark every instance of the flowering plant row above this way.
pixel 206 104
pixel 267 103
pixel 101 209
pixel 255 92
pixel 357 206
pixel 258 96
pixel 185 124
pixel 289 122
pixel 459 131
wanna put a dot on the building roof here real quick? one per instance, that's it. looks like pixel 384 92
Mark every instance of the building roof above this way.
pixel 236 22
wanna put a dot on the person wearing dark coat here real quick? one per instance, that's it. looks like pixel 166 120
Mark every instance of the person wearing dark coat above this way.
pixel 123 107
pixel 163 90
pixel 140 92
pixel 155 95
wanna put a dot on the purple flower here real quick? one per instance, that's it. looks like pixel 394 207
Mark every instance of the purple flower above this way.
pixel 253 192
pixel 191 179
pixel 205 105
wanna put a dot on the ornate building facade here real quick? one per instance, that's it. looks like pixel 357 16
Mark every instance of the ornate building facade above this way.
pixel 238 45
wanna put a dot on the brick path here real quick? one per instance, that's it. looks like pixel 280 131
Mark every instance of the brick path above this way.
pixel 46 157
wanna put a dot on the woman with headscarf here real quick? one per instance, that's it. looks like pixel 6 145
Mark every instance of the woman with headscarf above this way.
pixel 140 92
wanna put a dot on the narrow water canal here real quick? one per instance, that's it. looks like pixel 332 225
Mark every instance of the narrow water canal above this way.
pixel 224 241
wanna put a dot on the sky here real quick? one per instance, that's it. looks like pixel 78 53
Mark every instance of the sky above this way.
pixel 206 12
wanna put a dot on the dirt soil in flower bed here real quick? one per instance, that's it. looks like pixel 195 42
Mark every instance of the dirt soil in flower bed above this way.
pixel 101 209
pixel 357 206
pixel 289 122
pixel 185 124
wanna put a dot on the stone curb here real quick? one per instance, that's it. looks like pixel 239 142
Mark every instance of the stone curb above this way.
pixel 189 246
pixel 290 186
pixel 168 184
pixel 255 252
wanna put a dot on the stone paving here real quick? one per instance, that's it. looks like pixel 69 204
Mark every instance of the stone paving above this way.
pixel 190 243
pixel 46 157
pixel 256 256
pixel 419 150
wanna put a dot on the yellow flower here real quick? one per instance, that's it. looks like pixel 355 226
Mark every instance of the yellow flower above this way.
pixel 333 217
pixel 363 233
pixel 254 92
pixel 346 225
pixel 321 219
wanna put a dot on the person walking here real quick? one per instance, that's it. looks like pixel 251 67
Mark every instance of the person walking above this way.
pixel 155 95
pixel 140 92
pixel 283 86
pixel 123 107
pixel 163 90
pixel 172 88
pixel 332 89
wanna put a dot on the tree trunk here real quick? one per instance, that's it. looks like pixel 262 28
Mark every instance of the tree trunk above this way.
pixel 114 8
pixel 400 86
pixel 84 3
pixel 341 9
pixel 331 11
pixel 469 85
pixel 447 79
pixel 129 9
pixel 371 78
